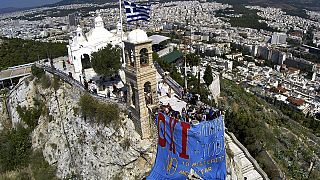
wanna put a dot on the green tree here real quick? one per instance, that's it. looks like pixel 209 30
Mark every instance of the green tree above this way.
pixel 193 59
pixel 18 51
pixel 37 72
pixel 207 77
pixel 15 148
pixel 106 61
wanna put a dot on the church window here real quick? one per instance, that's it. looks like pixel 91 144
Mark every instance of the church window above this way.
pixel 131 58
pixel 133 95
pixel 147 93
pixel 143 57
pixel 85 61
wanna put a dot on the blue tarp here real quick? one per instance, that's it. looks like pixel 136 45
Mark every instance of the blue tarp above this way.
pixel 182 146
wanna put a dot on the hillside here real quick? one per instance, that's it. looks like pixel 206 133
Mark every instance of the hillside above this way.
pixel 267 132
pixel 18 51
pixel 291 7
pixel 67 2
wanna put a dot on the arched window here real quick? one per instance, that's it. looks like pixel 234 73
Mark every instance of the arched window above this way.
pixel 131 57
pixel 147 93
pixel 133 95
pixel 85 61
pixel 127 57
pixel 144 57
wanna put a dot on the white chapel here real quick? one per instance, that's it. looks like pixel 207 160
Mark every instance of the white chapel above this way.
pixel 83 44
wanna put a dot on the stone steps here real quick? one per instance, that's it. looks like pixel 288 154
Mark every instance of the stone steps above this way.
pixel 247 168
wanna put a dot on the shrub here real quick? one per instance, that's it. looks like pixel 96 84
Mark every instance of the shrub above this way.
pixel 98 111
pixel 45 82
pixel 37 72
pixel 15 148
pixel 30 116
pixel 56 83
pixel 40 168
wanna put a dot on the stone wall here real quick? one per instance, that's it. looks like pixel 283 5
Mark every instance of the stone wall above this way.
pixel 241 158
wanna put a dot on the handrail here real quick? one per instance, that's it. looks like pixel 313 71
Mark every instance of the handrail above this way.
pixel 62 75
pixel 171 82
pixel 248 156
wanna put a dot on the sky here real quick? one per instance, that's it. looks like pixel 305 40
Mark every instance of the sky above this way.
pixel 24 3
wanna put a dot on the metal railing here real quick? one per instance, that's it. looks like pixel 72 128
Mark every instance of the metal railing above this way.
pixel 171 82
pixel 73 82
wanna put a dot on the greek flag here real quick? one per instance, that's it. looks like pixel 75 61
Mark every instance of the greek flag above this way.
pixel 135 12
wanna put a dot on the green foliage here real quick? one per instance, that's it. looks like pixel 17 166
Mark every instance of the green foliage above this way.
pixel 31 115
pixel 56 82
pixel 98 111
pixel 299 117
pixel 173 71
pixel 192 82
pixel 41 168
pixel 294 8
pixel 16 155
pixel 37 72
pixel 174 74
pixel 193 59
pixel 155 57
pixel 45 81
pixel 248 19
pixel 311 57
pixel 262 127
pixel 17 51
pixel 207 77
pixel 15 148
pixel 293 42
pixel 107 60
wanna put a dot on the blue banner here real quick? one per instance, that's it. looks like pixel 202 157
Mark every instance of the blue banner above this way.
pixel 182 146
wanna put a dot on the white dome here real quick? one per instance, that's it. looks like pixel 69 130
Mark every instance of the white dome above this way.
pixel 98 18
pixel 137 36
pixel 98 21
pixel 99 34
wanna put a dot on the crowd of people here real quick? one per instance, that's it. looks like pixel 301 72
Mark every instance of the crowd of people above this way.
pixel 191 114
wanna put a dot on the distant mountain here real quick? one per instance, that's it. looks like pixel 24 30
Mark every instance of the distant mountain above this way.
pixel 290 5
pixel 67 2
pixel 8 10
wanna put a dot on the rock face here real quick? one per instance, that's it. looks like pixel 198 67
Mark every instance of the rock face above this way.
pixel 3 116
pixel 77 146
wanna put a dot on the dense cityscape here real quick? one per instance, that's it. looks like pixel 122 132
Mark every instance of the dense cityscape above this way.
pixel 216 51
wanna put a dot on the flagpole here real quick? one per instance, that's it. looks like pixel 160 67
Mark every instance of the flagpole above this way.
pixel 122 43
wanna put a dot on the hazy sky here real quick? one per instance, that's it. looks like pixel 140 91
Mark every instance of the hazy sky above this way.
pixel 24 3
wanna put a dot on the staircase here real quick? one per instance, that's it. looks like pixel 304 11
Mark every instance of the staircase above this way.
pixel 249 167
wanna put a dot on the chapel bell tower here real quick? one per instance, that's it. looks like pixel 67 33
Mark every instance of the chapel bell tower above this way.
pixel 140 80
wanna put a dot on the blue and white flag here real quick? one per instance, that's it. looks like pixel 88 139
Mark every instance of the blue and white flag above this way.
pixel 137 12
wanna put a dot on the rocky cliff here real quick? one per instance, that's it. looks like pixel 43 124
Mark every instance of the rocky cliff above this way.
pixel 79 147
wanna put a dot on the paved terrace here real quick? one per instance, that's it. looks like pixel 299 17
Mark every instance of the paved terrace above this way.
pixel 15 72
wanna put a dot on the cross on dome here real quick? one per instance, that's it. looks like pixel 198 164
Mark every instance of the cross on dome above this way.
pixel 98 21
